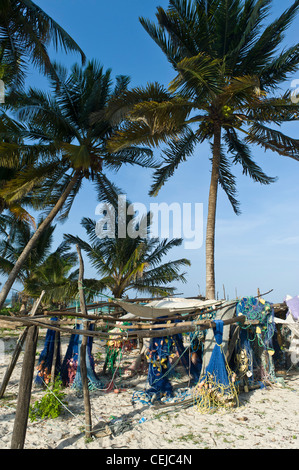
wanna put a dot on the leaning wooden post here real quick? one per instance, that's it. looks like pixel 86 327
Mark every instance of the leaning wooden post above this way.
pixel 83 349
pixel 13 361
pixel 22 410
pixel 18 349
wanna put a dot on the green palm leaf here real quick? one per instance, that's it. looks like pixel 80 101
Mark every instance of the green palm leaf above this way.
pixel 26 32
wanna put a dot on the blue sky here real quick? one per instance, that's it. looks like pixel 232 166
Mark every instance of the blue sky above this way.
pixel 258 249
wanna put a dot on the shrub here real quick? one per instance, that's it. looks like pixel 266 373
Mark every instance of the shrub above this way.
pixel 50 405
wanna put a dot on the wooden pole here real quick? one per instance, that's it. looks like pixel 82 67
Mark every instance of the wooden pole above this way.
pixel 18 349
pixel 55 352
pixel 22 410
pixel 83 368
pixel 86 398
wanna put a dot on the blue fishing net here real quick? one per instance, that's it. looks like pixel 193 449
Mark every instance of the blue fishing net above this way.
pixel 158 370
pixel 70 361
pixel 93 380
pixel 216 388
pixel 45 360
pixel 262 333
pixel 216 369
pixel 244 358
pixel 262 312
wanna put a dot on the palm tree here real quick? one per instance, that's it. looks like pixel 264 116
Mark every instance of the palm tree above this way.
pixel 43 269
pixel 132 262
pixel 228 70
pixel 56 276
pixel 68 146
pixel 26 31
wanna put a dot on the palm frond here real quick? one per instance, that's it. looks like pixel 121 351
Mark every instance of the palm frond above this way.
pixel 275 110
pixel 228 182
pixel 106 190
pixel 139 133
pixel 280 69
pixel 263 50
pixel 26 181
pixel 26 33
pixel 120 106
pixel 249 25
pixel 271 139
pixel 158 34
pixel 179 150
pixel 241 154
pixel 199 77
pixel 131 155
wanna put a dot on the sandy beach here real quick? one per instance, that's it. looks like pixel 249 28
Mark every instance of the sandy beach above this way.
pixel 264 419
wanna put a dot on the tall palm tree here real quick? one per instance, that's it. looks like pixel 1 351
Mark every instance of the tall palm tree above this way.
pixel 26 31
pixel 228 70
pixel 68 146
pixel 131 262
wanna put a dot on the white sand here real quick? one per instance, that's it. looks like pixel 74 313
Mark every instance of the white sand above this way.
pixel 265 419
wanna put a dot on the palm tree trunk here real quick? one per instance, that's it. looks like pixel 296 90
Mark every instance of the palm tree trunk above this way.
pixel 211 222
pixel 30 245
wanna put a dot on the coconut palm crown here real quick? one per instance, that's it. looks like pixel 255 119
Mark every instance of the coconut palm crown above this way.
pixel 131 262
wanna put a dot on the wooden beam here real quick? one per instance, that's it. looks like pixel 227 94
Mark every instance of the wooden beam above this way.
pixel 163 330
pixel 181 328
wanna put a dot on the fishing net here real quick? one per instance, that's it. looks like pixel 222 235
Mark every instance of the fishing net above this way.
pixel 45 360
pixel 161 368
pixel 216 388
pixel 226 312
pixel 159 365
pixel 113 352
pixel 260 334
pixel 70 361
pixel 244 360
pixel 70 369
pixel 116 346
pixel 261 312
pixel 93 380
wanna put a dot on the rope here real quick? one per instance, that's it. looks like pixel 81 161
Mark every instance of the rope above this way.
pixel 216 388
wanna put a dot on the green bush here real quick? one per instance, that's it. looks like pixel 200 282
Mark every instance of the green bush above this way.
pixel 50 405
pixel 6 311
